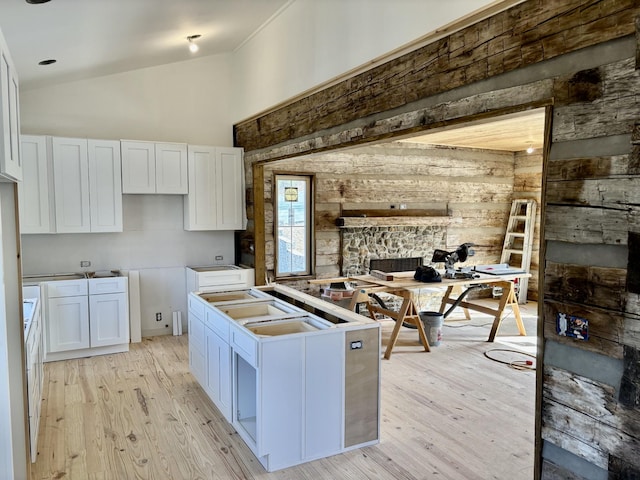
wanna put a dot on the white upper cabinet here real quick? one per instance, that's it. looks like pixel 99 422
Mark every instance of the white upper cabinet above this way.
pixel 229 189
pixel 215 194
pixel 149 167
pixel 105 185
pixel 171 168
pixel 71 180
pixel 71 185
pixel 10 159
pixel 35 192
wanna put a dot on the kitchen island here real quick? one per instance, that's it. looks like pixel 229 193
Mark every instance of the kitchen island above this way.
pixel 298 378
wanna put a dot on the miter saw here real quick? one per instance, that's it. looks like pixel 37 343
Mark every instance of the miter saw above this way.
pixel 450 258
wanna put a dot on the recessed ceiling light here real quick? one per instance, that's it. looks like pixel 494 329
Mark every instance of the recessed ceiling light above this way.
pixel 47 62
pixel 37 2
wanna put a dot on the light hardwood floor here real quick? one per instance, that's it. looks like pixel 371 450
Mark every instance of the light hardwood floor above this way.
pixel 448 414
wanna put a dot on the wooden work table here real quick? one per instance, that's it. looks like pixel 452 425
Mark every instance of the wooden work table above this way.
pixel 403 285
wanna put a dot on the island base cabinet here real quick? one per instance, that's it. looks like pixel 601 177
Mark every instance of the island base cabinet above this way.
pixel 289 407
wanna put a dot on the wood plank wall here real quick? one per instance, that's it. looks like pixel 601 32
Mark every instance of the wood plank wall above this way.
pixel 476 186
pixel 588 415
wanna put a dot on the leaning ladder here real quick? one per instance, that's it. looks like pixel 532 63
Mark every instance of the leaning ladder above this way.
pixel 518 241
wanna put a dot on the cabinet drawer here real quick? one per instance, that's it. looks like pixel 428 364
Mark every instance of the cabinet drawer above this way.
pixel 66 288
pixel 218 324
pixel 99 286
pixel 196 307
pixel 227 278
pixel 244 345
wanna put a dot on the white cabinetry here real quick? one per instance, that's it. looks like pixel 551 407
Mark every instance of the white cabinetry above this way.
pixel 86 317
pixel 149 167
pixel 10 159
pixel 34 372
pixel 105 185
pixel 71 185
pixel 197 341
pixel 297 388
pixel 67 315
pixel 215 278
pixel 35 192
pixel 108 311
pixel 215 194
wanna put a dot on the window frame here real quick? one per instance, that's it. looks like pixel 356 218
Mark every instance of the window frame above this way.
pixel 310 230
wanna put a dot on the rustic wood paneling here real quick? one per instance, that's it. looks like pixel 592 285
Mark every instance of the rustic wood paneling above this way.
pixel 612 112
pixel 523 35
pixel 588 168
pixel 593 286
pixel 584 417
pixel 586 225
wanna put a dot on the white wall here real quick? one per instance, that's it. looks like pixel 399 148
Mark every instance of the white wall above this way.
pixel 313 41
pixel 153 242
pixel 180 102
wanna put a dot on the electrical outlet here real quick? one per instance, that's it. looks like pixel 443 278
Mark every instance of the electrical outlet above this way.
pixel 403 206
pixel 158 317
pixel 85 263
pixel 219 257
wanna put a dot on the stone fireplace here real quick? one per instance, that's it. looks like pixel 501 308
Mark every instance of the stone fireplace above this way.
pixel 361 244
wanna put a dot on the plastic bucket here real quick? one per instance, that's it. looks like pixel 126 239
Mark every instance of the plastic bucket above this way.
pixel 432 322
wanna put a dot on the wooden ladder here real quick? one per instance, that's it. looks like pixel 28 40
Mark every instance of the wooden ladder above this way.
pixel 518 241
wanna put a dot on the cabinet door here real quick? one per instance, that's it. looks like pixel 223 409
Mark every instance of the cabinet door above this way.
pixel 218 372
pixel 67 323
pixel 196 348
pixel 10 161
pixel 171 168
pixel 138 167
pixel 229 190
pixel 108 319
pixel 105 186
pixel 71 180
pixel 35 190
pixel 13 165
pixel 200 205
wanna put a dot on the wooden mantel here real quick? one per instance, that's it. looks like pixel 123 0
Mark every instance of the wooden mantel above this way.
pixel 400 221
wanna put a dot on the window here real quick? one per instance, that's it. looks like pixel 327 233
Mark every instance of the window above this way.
pixel 293 225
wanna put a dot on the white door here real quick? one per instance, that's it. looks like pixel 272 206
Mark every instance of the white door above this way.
pixel 105 185
pixel 68 323
pixel 138 167
pixel 171 168
pixel 34 191
pixel 229 189
pixel 108 319
pixel 71 180
pixel 200 205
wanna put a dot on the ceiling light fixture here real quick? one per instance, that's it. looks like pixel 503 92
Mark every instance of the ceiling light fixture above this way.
pixel 37 2
pixel 47 62
pixel 193 47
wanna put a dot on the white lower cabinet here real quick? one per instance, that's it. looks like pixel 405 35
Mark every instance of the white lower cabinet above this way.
pixel 108 324
pixel 80 322
pixel 218 372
